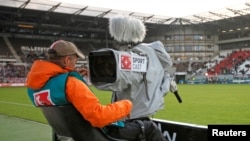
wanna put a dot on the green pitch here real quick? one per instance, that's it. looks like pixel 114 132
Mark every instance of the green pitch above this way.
pixel 202 104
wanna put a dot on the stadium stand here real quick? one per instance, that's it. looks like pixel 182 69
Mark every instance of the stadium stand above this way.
pixel 29 49
pixel 4 50
pixel 202 52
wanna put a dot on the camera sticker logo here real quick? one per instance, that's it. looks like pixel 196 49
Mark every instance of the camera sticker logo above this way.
pixel 132 63
pixel 125 62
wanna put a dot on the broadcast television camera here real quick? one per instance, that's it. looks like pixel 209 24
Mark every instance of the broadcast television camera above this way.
pixel 138 73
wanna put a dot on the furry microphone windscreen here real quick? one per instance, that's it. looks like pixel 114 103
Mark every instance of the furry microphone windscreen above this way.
pixel 127 29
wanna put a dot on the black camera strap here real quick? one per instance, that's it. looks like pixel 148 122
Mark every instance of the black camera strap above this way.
pixel 114 97
pixel 146 84
pixel 142 135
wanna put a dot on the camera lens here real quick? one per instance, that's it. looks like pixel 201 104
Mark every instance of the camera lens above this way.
pixel 109 67
pixel 102 66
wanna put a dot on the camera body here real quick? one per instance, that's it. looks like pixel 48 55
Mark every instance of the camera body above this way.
pixel 114 70
pixel 139 74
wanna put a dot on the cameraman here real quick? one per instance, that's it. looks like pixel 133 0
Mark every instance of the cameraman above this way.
pixel 54 82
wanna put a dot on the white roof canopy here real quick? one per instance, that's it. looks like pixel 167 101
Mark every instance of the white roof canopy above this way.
pixel 79 9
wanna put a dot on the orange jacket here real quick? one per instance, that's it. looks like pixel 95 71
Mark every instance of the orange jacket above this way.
pixel 79 94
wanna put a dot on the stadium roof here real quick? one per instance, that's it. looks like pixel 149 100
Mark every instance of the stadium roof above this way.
pixel 59 6
pixel 57 18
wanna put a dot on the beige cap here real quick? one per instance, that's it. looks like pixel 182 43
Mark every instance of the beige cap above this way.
pixel 64 48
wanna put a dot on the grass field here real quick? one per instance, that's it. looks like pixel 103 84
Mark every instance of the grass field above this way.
pixel 202 104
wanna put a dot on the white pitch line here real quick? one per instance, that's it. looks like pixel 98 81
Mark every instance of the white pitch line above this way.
pixel 14 103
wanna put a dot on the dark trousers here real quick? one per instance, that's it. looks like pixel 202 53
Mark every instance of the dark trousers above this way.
pixel 133 131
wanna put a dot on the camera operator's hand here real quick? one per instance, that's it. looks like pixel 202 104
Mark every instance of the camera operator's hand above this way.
pixel 173 86
pixel 83 71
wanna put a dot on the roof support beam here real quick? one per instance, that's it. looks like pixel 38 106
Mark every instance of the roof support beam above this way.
pixel 24 4
pixel 52 9
pixel 203 18
pixel 236 11
pixel 164 20
pixel 219 15
pixel 78 12
pixel 104 13
pixel 22 7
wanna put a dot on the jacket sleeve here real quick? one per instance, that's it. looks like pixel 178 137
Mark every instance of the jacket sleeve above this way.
pixel 79 94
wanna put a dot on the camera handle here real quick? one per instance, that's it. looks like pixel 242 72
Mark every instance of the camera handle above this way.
pixel 176 92
pixel 178 96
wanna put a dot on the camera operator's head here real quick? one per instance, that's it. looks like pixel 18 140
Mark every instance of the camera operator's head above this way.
pixel 64 54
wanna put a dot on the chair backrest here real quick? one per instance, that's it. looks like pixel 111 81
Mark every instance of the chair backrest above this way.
pixel 66 121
